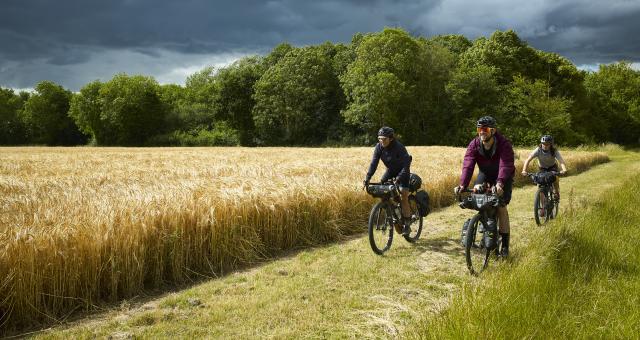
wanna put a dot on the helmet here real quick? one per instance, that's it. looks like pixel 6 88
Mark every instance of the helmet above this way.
pixel 415 182
pixel 385 131
pixel 546 139
pixel 487 121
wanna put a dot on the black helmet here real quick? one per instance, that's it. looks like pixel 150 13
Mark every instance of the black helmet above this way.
pixel 487 121
pixel 385 131
pixel 546 139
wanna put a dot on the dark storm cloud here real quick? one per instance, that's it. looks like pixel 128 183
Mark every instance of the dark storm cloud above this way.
pixel 73 42
pixel 589 33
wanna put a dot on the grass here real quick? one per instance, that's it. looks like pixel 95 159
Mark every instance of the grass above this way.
pixel 339 289
pixel 578 278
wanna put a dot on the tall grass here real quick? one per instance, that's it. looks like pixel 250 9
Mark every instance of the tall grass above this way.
pixel 578 279
pixel 82 226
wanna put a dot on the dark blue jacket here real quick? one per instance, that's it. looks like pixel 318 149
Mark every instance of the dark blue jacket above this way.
pixel 395 157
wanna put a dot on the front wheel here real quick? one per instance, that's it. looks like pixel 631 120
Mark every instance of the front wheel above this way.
pixel 416 221
pixel 380 228
pixel 540 207
pixel 553 205
pixel 475 252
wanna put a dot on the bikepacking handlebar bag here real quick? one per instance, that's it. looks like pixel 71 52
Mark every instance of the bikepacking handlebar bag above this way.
pixel 545 178
pixel 422 198
pixel 479 202
pixel 380 190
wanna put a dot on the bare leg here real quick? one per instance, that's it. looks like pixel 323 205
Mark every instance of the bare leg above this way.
pixel 406 211
pixel 556 186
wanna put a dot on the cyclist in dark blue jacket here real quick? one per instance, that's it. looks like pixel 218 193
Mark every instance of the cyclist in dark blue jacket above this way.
pixel 397 160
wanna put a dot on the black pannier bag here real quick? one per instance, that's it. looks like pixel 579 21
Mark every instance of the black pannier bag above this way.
pixel 422 198
pixel 415 182
pixel 380 190
pixel 545 178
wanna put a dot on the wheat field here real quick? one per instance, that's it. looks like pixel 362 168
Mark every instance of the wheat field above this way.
pixel 84 226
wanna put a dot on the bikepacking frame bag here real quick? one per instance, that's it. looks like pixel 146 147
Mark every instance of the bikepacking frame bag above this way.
pixel 422 198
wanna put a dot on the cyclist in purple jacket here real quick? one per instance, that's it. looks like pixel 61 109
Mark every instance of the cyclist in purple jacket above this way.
pixel 398 162
pixel 493 154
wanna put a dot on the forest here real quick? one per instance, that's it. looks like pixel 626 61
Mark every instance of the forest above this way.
pixel 430 90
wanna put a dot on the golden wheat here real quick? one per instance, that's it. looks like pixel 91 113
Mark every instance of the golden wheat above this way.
pixel 79 226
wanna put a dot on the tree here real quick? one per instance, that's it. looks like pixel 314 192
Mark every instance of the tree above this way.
pixel 383 85
pixel 505 52
pixel 533 112
pixel 45 114
pixel 12 128
pixel 615 93
pixel 234 101
pixel 474 92
pixel 131 109
pixel 296 99
pixel 86 110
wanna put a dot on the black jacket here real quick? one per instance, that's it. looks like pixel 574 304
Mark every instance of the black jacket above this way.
pixel 395 157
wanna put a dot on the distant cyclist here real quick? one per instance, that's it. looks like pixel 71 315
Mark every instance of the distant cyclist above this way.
pixel 398 161
pixel 493 154
pixel 548 158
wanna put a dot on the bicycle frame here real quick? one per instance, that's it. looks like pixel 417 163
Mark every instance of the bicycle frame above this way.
pixel 477 253
pixel 545 203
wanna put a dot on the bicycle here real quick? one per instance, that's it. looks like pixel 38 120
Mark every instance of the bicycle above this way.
pixel 386 215
pixel 545 204
pixel 482 224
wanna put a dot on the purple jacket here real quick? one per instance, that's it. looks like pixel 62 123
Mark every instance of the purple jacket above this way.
pixel 496 164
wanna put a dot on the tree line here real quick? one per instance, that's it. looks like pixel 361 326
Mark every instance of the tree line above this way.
pixel 430 90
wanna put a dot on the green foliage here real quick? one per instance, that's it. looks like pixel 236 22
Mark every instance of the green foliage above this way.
pixel 221 135
pixel 577 279
pixel 12 128
pixel 430 90
pixel 86 111
pixel 131 110
pixel 615 91
pixel 297 98
pixel 504 51
pixel 234 100
pixel 532 112
pixel 45 114
pixel 386 84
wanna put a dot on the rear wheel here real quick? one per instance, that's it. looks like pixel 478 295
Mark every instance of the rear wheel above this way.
pixel 416 221
pixel 540 207
pixel 474 250
pixel 380 228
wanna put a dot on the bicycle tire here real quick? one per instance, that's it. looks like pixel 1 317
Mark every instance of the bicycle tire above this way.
pixel 380 230
pixel 554 205
pixel 475 253
pixel 539 205
pixel 416 221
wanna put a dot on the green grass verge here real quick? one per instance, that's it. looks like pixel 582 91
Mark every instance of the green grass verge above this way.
pixel 578 278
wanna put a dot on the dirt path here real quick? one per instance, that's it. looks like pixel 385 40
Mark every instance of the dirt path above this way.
pixel 341 290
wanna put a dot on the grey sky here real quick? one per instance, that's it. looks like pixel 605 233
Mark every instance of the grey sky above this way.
pixel 73 42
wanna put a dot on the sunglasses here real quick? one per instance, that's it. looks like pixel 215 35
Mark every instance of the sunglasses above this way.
pixel 485 129
pixel 546 144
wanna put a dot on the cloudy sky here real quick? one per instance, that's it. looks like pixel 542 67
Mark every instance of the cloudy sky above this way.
pixel 73 42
